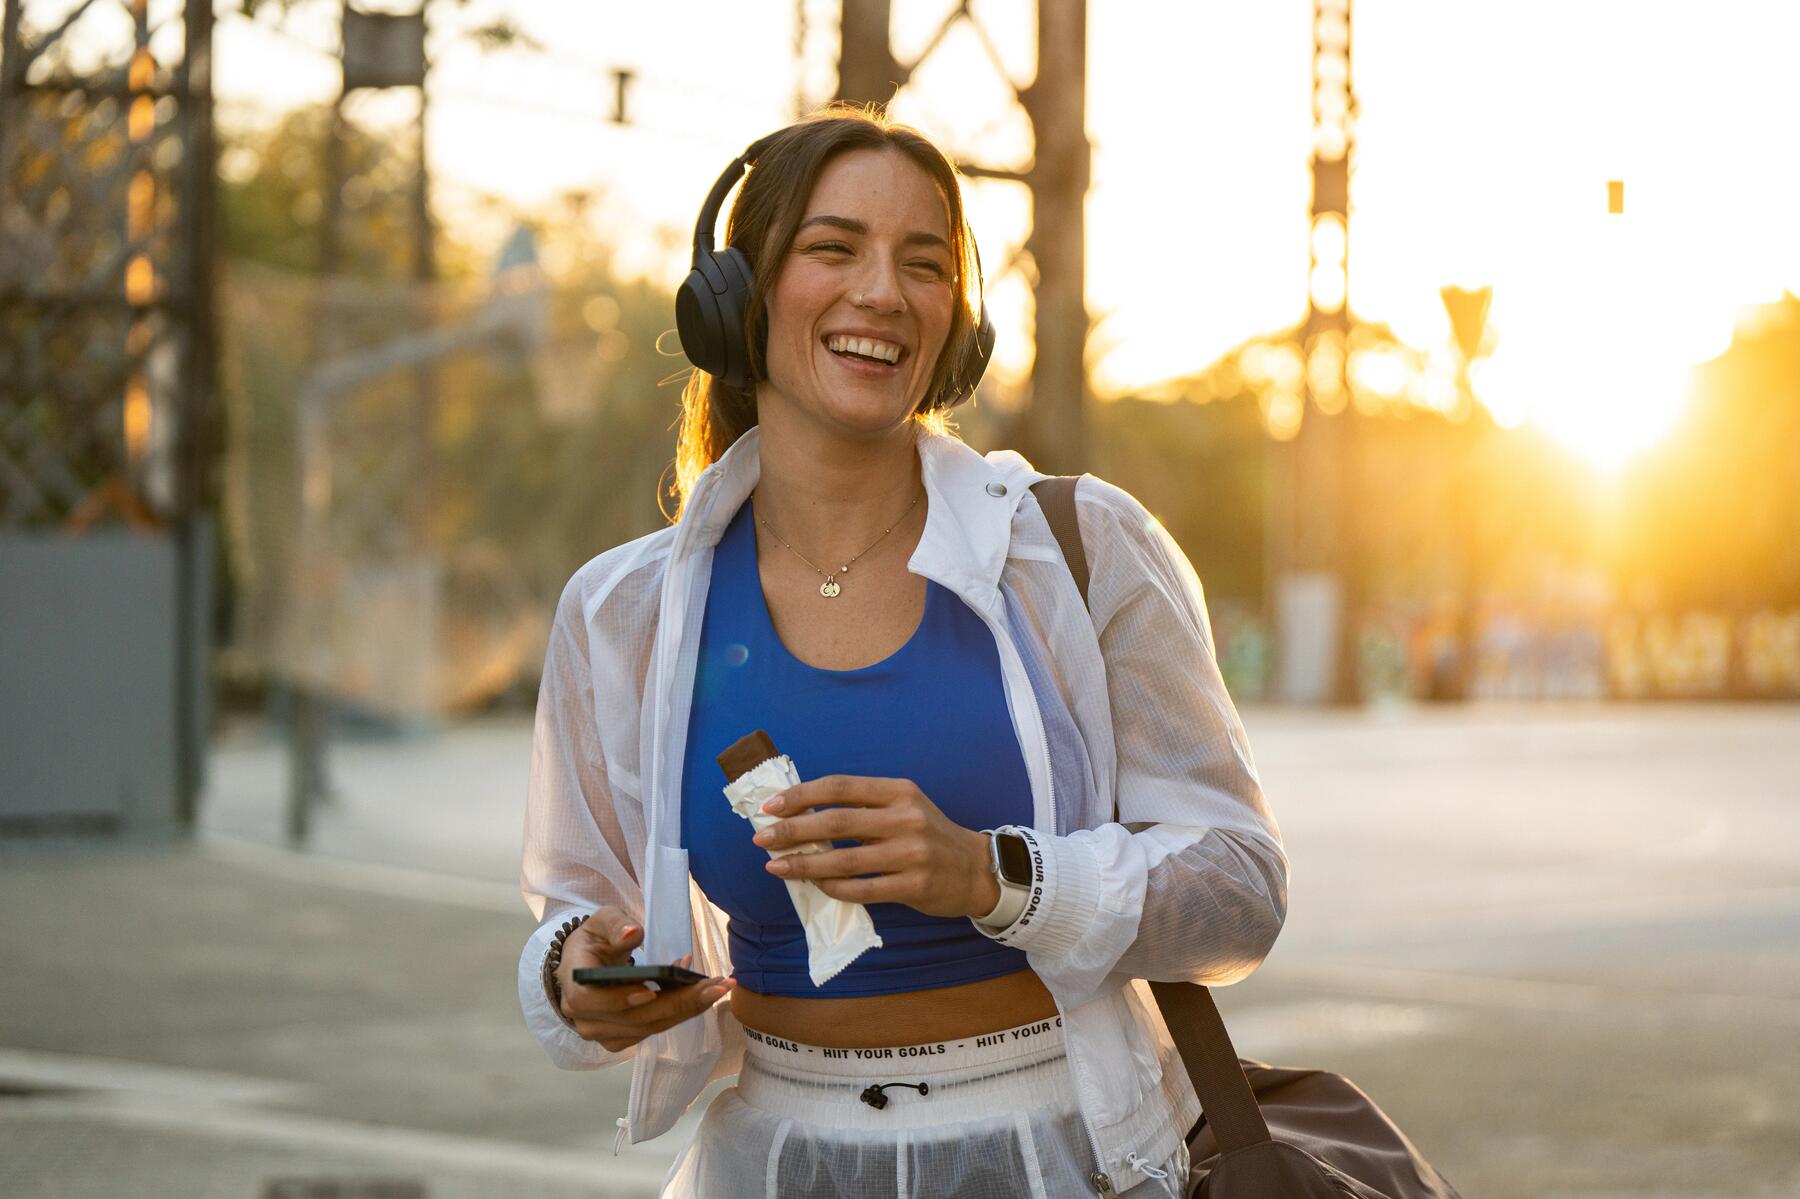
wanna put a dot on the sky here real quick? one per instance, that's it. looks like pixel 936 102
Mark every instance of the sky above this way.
pixel 1487 135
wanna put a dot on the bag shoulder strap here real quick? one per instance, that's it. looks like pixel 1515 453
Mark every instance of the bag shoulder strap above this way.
pixel 1187 1009
pixel 1056 496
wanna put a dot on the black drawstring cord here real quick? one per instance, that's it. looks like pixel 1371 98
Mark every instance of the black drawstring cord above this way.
pixel 876 1098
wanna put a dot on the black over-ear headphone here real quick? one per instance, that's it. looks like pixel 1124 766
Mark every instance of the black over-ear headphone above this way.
pixel 710 307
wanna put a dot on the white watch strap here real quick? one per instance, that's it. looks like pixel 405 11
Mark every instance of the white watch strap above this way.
pixel 1013 896
pixel 1012 902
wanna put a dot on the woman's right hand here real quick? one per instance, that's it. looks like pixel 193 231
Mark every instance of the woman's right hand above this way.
pixel 620 1017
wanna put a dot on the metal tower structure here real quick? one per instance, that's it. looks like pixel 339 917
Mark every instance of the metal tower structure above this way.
pixel 1327 537
pixel 1313 544
pixel 106 383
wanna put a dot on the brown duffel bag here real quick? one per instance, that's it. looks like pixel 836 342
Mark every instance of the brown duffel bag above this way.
pixel 1265 1132
pixel 1270 1132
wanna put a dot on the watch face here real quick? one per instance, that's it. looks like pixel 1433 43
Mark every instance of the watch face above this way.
pixel 1015 858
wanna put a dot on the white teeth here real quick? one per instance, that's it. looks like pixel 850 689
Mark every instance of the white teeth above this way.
pixel 867 347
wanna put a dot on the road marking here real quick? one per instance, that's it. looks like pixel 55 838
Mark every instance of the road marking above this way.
pixel 368 878
pixel 1526 918
pixel 1270 1030
pixel 1480 990
pixel 394 1148
pixel 81 1072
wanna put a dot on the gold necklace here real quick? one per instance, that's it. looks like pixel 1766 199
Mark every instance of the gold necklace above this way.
pixel 830 587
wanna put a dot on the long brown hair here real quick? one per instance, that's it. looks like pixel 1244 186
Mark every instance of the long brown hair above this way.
pixel 768 211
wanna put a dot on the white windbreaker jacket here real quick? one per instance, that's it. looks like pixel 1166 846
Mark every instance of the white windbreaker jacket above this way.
pixel 1123 720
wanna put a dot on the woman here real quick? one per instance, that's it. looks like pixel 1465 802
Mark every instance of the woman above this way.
pixel 942 692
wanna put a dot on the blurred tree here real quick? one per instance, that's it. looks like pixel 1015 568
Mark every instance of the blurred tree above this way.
pixel 1712 519
pixel 1199 469
pixel 271 197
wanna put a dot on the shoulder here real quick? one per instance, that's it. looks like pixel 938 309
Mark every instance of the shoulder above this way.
pixel 1130 553
pixel 1109 506
pixel 625 580
pixel 1096 499
pixel 1111 518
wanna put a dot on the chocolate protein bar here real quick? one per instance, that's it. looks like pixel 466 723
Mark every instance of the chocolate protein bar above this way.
pixel 746 754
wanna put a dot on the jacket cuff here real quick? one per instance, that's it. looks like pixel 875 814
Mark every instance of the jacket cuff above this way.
pixel 566 1048
pixel 1084 910
pixel 1065 895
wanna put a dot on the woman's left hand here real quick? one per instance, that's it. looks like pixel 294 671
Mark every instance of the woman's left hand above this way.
pixel 917 855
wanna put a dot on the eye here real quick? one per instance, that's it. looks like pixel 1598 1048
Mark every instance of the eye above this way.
pixel 827 247
pixel 935 269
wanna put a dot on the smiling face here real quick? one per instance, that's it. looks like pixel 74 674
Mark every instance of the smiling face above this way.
pixel 862 306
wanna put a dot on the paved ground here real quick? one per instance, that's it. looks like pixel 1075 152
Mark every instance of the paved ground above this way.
pixel 1560 946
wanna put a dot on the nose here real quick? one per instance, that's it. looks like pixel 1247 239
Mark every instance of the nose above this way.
pixel 878 289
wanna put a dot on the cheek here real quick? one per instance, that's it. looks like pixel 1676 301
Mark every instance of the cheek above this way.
pixel 787 338
pixel 937 325
pixel 793 304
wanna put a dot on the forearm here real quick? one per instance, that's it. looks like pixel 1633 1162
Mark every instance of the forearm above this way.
pixel 1212 910
pixel 1164 903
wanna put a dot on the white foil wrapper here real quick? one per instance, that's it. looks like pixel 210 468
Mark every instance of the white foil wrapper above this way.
pixel 837 933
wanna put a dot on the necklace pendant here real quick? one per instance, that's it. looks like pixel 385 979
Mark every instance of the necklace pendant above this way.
pixel 829 588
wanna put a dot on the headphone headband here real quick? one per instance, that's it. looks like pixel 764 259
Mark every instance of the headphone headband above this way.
pixel 710 307
pixel 715 199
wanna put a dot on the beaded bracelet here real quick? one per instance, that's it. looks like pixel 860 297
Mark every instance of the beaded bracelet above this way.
pixel 553 960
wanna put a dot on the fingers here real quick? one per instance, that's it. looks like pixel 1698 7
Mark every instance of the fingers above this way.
pixel 648 1013
pixel 607 938
pixel 851 790
pixel 888 888
pixel 835 824
pixel 614 933
pixel 879 858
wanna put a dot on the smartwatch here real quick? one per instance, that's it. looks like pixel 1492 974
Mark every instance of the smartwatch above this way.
pixel 1013 871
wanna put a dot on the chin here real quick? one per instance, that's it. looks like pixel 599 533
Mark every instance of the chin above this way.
pixel 868 414
pixel 865 423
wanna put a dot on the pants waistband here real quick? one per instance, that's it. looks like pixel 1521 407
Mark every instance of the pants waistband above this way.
pixel 853 1092
pixel 1009 1046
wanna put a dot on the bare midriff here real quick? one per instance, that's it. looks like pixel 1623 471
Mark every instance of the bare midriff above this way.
pixel 907 1018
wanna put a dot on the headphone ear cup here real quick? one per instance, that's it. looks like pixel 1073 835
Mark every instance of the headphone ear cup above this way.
pixel 697 323
pixel 709 315
pixel 734 303
pixel 974 363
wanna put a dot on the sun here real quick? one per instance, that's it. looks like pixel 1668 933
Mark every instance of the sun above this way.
pixel 1596 345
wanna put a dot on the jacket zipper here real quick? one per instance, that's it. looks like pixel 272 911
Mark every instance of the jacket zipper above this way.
pixel 640 1067
pixel 1102 1182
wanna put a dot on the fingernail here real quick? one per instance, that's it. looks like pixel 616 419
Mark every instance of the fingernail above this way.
pixel 764 837
pixel 774 802
pixel 640 998
pixel 777 866
pixel 630 930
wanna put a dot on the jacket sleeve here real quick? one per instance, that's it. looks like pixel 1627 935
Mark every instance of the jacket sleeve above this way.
pixel 1189 882
pixel 575 859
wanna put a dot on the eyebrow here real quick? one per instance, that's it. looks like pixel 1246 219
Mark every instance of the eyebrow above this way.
pixel 851 225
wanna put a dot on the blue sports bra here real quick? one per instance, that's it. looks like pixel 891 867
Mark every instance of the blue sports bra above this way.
pixel 894 719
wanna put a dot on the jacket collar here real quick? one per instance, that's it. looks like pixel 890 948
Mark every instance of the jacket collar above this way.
pixel 968 519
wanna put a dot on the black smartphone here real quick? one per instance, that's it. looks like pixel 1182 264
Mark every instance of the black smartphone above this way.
pixel 624 976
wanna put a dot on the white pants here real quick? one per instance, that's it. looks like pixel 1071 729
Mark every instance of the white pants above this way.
pixel 990 1117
